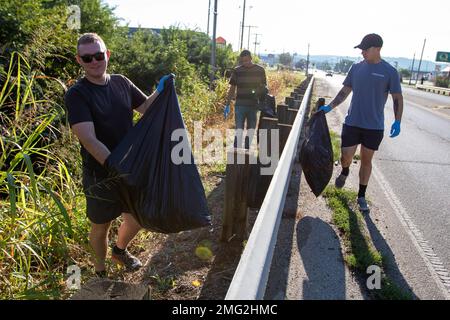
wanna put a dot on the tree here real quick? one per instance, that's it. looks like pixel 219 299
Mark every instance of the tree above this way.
pixel 285 59
pixel 323 65
pixel 405 73
pixel 301 64
pixel 343 65
pixel 38 29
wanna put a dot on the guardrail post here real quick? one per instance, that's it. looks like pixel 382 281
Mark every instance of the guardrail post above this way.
pixel 260 183
pixel 289 101
pixel 285 129
pixel 285 114
pixel 236 193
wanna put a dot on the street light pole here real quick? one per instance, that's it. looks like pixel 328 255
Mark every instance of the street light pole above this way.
pixel 412 68
pixel 256 40
pixel 209 13
pixel 420 62
pixel 213 51
pixel 307 62
pixel 242 27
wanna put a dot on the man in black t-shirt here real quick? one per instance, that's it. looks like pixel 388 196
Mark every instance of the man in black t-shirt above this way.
pixel 249 80
pixel 100 111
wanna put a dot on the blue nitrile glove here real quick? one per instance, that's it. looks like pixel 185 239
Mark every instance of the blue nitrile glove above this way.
pixel 326 108
pixel 160 86
pixel 395 129
pixel 226 111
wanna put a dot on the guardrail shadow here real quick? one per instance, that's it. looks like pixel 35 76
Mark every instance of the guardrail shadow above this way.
pixel 319 251
pixel 322 260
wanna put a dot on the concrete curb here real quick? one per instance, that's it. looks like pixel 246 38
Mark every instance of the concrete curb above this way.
pixel 438 90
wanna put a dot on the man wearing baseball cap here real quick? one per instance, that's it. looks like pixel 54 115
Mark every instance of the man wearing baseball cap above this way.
pixel 370 81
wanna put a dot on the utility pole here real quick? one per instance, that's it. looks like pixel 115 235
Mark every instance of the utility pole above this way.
pixel 412 68
pixel 213 51
pixel 209 13
pixel 242 27
pixel 256 40
pixel 307 62
pixel 249 28
pixel 420 62
pixel 239 39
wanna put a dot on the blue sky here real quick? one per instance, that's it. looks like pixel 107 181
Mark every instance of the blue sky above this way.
pixel 331 27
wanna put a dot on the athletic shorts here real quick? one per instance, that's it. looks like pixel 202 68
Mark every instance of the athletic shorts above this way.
pixel 102 198
pixel 352 136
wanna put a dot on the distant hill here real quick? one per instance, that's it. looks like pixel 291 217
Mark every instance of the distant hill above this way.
pixel 402 63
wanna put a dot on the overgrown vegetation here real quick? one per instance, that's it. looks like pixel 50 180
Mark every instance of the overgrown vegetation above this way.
pixel 282 82
pixel 442 82
pixel 41 217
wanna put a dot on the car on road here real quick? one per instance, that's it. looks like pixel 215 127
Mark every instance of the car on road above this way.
pixel 329 74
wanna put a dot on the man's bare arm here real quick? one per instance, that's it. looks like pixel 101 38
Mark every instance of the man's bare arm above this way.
pixel 341 96
pixel 230 94
pixel 86 134
pixel 398 105
pixel 147 103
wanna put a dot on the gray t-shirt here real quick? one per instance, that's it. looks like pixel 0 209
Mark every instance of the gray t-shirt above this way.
pixel 371 84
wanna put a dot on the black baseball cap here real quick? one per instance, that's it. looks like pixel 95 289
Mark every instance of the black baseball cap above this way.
pixel 369 41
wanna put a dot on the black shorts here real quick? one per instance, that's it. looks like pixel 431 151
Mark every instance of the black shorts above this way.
pixel 102 198
pixel 352 136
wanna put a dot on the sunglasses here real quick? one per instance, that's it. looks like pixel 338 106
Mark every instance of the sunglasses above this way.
pixel 87 58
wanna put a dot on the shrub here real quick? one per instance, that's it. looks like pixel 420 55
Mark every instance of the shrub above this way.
pixel 442 82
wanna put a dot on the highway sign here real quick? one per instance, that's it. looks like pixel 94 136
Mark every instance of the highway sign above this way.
pixel 443 56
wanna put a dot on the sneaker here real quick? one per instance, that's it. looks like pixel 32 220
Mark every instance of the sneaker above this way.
pixel 340 181
pixel 126 259
pixel 362 204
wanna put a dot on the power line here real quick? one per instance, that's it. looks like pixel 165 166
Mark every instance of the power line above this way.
pixel 249 28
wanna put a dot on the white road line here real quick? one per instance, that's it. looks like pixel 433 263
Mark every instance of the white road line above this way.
pixel 434 264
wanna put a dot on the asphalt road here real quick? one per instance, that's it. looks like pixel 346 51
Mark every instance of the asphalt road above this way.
pixel 411 178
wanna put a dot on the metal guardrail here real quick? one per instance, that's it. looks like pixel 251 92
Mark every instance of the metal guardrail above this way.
pixel 250 279
pixel 438 90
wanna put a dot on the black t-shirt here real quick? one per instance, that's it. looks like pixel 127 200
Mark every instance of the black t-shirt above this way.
pixel 109 107
pixel 250 83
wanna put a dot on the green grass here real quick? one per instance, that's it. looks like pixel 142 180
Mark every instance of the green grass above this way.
pixel 361 252
pixel 42 221
pixel 336 144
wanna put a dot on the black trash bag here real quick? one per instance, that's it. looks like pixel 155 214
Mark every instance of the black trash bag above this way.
pixel 163 196
pixel 267 106
pixel 316 156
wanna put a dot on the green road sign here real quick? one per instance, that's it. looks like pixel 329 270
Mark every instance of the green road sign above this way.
pixel 443 56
